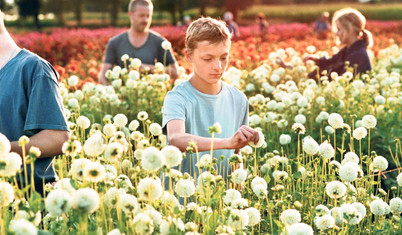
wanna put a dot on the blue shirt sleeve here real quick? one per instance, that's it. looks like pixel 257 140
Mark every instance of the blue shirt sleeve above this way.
pixel 173 108
pixel 110 53
pixel 45 107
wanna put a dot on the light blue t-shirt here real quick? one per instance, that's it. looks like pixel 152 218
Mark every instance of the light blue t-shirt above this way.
pixel 200 111
pixel 30 101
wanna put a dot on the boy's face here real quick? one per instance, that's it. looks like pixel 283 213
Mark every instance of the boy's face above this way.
pixel 141 18
pixel 209 60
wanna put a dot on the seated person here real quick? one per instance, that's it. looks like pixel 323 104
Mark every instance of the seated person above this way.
pixel 138 42
pixel 322 25
pixel 194 105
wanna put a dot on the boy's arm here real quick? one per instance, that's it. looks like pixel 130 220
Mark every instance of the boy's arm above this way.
pixel 179 138
pixel 49 142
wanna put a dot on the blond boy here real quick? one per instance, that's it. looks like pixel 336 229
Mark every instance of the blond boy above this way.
pixel 194 105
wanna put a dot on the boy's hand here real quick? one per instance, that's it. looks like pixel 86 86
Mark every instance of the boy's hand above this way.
pixel 242 137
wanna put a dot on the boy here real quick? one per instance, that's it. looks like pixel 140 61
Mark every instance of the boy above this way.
pixel 194 105
pixel 31 105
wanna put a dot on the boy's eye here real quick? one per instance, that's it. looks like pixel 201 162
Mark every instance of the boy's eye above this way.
pixel 207 59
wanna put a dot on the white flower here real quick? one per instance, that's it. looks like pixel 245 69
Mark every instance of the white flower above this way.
pixel 6 194
pixel 142 116
pixel 133 125
pixel 335 189
pixel 378 207
pixel 348 172
pixel 58 202
pixel 369 121
pixel 254 120
pixel 300 118
pixel 335 120
pixel 115 231
pixel 185 188
pixel 205 160
pixel 73 103
pixel 128 203
pixel 73 80
pixel 326 150
pixel 111 195
pixel 359 133
pixel 300 229
pixel 310 49
pixel 379 99
pixel 324 222
pixel 23 227
pixel 78 166
pixel 239 176
pixel 11 164
pixel 360 208
pixel 94 145
pixel 238 219
pixel 260 191
pixel 351 214
pixel 136 63
pixel 149 189
pixel 380 163
pixel 171 226
pixel 152 159
pixel 155 129
pixel 166 45
pixel 350 157
pixel 120 120
pixel 275 77
pixel 258 181
pixel 173 155
pixel 125 57
pixel 321 210
pixel 143 224
pixel 254 216
pixel 133 75
pixel 113 152
pixel 94 172
pixel 231 195
pixel 290 216
pixel 85 200
pixel 65 185
pixel 261 140
pixel 399 179
pixel 396 205
pixel 302 102
pixel 298 128
pixel 310 146
pixel 109 129
pixel 280 175
pixel 239 203
pixel 284 139
pixel 217 127
pixel 5 146
pixel 329 130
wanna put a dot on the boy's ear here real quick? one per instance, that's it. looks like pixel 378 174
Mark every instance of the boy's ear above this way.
pixel 188 56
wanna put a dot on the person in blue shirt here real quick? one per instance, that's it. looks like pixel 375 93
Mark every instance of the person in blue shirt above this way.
pixel 231 24
pixel 322 25
pixel 31 105
pixel 198 103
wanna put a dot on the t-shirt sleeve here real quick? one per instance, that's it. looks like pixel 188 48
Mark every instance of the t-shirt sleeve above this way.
pixel 173 108
pixel 110 53
pixel 45 106
pixel 246 111
pixel 359 59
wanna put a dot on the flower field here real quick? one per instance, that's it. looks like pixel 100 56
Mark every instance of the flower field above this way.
pixel 329 162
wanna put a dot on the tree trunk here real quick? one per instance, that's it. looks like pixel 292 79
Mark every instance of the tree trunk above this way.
pixel 203 6
pixel 78 11
pixel 114 12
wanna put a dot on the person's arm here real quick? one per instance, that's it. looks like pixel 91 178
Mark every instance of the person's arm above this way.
pixel 101 76
pixel 179 138
pixel 49 142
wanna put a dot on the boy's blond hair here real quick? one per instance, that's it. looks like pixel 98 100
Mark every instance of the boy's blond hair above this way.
pixel 206 29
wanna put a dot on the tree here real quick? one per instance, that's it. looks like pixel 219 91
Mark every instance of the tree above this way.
pixel 58 7
pixel 29 8
pixel 78 8
pixel 114 12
